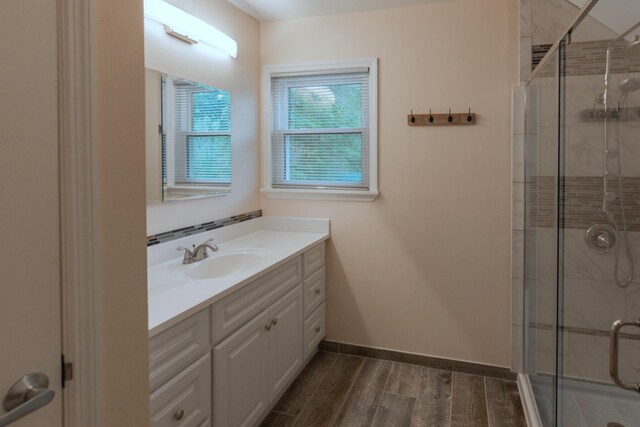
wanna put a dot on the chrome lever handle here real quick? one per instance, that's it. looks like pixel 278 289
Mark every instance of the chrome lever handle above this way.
pixel 188 255
pixel 613 353
pixel 27 395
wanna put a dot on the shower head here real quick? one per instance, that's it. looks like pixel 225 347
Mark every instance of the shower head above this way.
pixel 630 84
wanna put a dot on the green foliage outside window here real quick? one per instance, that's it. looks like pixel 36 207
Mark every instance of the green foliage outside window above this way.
pixel 209 157
pixel 331 156
pixel 211 111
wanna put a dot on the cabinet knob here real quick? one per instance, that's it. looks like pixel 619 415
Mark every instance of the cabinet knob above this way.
pixel 274 321
pixel 317 291
pixel 317 329
pixel 178 415
pixel 267 328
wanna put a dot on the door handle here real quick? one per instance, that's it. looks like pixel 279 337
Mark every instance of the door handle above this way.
pixel 27 395
pixel 613 353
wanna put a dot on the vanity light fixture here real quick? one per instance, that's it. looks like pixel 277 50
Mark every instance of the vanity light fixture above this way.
pixel 176 21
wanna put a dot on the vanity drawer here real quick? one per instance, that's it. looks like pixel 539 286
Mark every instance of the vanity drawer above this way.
pixel 313 292
pixel 175 348
pixel 314 331
pixel 235 310
pixel 185 401
pixel 312 259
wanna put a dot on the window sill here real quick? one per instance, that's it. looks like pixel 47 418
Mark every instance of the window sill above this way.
pixel 333 195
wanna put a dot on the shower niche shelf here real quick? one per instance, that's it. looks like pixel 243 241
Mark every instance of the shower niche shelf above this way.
pixel 623 114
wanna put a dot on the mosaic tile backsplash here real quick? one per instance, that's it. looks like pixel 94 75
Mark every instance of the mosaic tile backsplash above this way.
pixel 582 197
pixel 201 228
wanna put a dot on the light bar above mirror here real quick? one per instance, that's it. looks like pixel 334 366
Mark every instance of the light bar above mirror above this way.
pixel 188 28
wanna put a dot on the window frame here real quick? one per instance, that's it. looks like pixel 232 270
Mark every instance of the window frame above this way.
pixel 310 193
pixel 171 136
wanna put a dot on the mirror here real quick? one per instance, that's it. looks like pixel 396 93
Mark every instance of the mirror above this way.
pixel 188 139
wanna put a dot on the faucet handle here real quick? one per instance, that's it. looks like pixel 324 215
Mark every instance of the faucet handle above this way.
pixel 188 255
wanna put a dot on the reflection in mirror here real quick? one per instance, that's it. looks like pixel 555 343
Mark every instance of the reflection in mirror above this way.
pixel 188 139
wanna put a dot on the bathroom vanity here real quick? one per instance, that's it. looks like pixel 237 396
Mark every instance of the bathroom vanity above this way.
pixel 230 333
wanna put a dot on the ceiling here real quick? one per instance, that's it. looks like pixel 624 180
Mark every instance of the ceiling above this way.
pixel 274 10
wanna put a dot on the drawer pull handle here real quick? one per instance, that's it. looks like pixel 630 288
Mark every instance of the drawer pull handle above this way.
pixel 178 415
pixel 274 322
pixel 317 329
pixel 317 291
pixel 267 328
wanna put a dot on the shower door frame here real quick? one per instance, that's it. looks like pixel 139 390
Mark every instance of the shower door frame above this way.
pixel 557 51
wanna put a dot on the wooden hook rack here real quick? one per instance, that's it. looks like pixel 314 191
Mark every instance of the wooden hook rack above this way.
pixel 446 119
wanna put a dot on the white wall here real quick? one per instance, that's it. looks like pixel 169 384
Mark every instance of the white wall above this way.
pixel 120 214
pixel 241 78
pixel 424 268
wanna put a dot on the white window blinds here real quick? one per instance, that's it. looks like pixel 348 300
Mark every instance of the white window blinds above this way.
pixel 320 130
pixel 198 121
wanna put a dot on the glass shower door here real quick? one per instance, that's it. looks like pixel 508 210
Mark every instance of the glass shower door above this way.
pixel 598 218
pixel 582 221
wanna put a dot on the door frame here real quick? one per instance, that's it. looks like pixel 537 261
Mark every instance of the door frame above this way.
pixel 79 285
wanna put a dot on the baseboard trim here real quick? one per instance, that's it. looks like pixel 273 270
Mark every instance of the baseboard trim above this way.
pixel 528 401
pixel 419 359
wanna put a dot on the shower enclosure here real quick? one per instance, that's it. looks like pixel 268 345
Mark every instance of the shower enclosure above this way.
pixel 581 232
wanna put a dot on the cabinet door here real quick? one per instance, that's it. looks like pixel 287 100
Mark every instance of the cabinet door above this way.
pixel 285 341
pixel 241 375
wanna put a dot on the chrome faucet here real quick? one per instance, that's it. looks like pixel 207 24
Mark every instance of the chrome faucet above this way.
pixel 198 253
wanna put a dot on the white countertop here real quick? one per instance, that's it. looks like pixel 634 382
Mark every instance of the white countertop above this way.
pixel 173 297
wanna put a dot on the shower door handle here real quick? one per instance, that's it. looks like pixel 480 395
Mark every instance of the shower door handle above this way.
pixel 613 353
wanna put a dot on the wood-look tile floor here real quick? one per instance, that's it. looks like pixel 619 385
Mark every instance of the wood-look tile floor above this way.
pixel 343 390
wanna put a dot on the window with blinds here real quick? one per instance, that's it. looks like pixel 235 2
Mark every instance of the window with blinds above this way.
pixel 320 134
pixel 197 134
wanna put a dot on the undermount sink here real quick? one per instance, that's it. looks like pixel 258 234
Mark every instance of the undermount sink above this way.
pixel 224 264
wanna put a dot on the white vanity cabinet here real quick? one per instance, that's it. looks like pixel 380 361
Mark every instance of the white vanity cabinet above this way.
pixel 255 363
pixel 314 290
pixel 180 374
pixel 227 365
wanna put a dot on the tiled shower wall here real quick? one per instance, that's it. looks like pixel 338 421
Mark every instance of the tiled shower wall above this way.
pixel 591 298
pixel 542 23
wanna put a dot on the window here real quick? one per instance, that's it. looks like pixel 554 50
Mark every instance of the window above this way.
pixel 196 136
pixel 321 132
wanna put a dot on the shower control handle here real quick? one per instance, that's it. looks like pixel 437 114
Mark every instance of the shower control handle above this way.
pixel 613 353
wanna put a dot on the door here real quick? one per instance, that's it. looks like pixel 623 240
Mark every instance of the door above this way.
pixel 599 171
pixel 240 366
pixel 285 341
pixel 30 314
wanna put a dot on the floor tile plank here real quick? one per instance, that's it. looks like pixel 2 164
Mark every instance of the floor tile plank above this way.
pixel 276 419
pixel 299 393
pixel 394 411
pixel 433 405
pixel 351 391
pixel 404 379
pixel 328 398
pixel 361 404
pixel 468 401
pixel 503 404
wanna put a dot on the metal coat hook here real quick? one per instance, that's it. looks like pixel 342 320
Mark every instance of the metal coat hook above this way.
pixel 438 119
